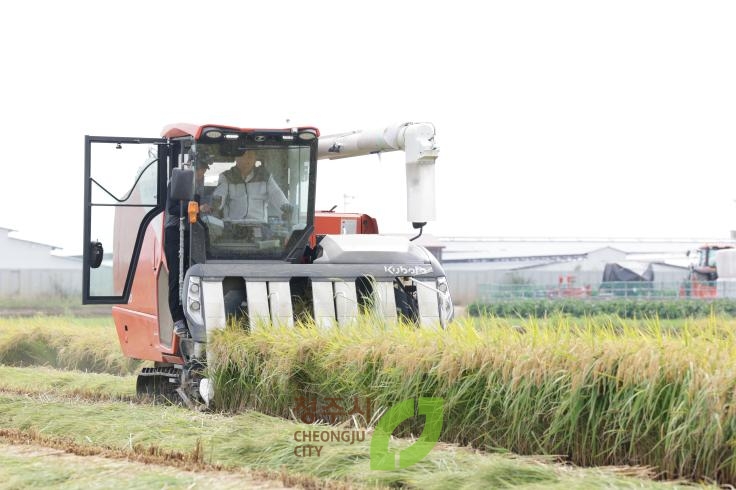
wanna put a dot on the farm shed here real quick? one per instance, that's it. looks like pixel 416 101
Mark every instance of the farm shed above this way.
pixel 473 265
pixel 29 268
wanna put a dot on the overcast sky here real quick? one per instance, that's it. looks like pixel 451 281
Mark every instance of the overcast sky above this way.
pixel 553 118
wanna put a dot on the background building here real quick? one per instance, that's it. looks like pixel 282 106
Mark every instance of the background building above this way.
pixel 29 268
pixel 477 268
pixel 488 268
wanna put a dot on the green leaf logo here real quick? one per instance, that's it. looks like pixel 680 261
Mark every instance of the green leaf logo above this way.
pixel 382 458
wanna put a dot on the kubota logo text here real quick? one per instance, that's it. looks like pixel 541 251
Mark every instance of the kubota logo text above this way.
pixel 384 459
pixel 407 270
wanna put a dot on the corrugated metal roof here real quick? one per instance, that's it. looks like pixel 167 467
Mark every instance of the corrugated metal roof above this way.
pixel 10 230
pixel 493 266
pixel 492 249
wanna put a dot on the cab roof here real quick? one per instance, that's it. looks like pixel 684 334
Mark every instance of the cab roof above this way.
pixel 178 130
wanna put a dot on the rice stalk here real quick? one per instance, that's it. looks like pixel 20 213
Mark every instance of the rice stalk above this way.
pixel 598 391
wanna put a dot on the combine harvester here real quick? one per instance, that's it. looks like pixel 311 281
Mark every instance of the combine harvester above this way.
pixel 287 265
pixel 702 278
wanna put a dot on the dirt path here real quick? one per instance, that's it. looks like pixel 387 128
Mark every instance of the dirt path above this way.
pixel 34 465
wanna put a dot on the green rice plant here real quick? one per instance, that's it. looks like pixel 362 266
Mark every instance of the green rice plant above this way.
pixel 600 391
pixel 624 308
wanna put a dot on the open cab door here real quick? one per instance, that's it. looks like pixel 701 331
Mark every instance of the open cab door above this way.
pixel 124 189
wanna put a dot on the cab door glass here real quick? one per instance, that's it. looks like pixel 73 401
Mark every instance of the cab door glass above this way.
pixel 122 195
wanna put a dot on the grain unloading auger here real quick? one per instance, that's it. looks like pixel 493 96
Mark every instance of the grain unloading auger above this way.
pixel 250 256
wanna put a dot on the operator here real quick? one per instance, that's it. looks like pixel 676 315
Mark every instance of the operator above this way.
pixel 171 245
pixel 245 191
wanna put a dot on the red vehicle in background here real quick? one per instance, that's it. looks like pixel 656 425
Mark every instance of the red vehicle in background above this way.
pixel 701 279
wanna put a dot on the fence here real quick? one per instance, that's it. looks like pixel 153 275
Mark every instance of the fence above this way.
pixel 68 282
pixel 605 290
pixel 467 284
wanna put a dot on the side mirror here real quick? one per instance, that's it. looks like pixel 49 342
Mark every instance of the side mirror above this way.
pixel 182 184
pixel 95 254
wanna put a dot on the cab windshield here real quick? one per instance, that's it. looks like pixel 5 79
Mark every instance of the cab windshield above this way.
pixel 254 201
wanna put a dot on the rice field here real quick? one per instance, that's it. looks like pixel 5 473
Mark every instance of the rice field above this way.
pixel 599 391
pixel 596 391
pixel 83 344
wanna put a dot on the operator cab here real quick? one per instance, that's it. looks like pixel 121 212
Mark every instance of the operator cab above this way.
pixel 257 197
pixel 266 215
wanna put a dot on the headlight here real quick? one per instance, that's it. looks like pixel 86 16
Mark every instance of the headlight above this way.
pixel 194 299
pixel 447 309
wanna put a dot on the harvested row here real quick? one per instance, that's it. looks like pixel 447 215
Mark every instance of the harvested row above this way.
pixel 29 465
pixel 598 392
pixel 265 446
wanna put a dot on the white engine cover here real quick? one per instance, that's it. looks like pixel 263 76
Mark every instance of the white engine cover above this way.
pixel 370 249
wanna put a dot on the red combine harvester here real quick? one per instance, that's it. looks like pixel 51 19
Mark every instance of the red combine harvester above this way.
pixel 282 266
pixel 331 223
pixel 701 279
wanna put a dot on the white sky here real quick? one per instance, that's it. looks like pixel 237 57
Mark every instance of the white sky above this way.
pixel 553 118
